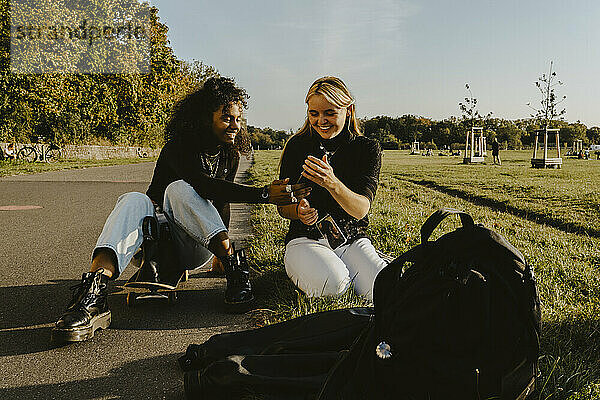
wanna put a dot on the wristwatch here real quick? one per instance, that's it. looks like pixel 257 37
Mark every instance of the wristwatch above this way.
pixel 265 193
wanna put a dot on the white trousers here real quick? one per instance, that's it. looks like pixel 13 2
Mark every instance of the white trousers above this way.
pixel 318 270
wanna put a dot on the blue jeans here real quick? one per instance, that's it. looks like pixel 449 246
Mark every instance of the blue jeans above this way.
pixel 193 220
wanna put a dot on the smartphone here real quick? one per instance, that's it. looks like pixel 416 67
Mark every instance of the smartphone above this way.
pixel 302 179
pixel 331 231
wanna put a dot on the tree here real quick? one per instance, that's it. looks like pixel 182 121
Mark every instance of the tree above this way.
pixel 267 138
pixel 510 134
pixel 469 110
pixel 572 132
pixel 593 135
pixel 117 108
pixel 549 103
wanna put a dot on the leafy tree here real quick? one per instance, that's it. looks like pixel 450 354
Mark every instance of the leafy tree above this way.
pixel 573 132
pixel 122 108
pixel 510 134
pixel 450 131
pixel 593 135
pixel 267 138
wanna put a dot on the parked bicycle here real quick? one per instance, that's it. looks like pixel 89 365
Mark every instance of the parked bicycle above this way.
pixel 8 153
pixel 43 152
pixel 141 153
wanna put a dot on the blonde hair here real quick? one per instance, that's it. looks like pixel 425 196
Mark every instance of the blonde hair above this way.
pixel 335 92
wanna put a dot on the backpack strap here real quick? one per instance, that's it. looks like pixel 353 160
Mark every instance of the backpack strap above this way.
pixel 437 217
pixel 389 276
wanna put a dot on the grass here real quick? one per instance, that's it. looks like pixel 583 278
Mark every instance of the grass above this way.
pixel 567 198
pixel 552 216
pixel 8 167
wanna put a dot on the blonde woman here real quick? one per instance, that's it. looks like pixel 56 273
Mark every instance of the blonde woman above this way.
pixel 327 248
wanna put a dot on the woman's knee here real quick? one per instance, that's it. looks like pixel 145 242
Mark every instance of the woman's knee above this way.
pixel 317 277
pixel 178 190
pixel 135 198
pixel 335 283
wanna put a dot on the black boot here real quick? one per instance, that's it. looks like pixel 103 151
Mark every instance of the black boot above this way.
pixel 87 312
pixel 237 272
pixel 150 265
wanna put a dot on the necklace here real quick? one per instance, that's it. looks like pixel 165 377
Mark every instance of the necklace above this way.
pixel 328 154
pixel 210 163
pixel 336 141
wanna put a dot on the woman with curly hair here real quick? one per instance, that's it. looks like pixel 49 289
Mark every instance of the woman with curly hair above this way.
pixel 192 187
pixel 327 247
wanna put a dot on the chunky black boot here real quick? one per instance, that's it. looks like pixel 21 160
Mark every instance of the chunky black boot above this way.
pixel 87 312
pixel 237 272
pixel 150 246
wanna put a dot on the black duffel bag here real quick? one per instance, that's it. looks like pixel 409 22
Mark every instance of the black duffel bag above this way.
pixel 288 360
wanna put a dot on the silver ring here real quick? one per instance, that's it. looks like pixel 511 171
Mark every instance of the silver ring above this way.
pixel 294 199
pixel 288 188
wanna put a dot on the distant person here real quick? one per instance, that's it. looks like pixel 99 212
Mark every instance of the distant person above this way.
pixel 193 186
pixel 327 247
pixel 496 152
pixel 584 154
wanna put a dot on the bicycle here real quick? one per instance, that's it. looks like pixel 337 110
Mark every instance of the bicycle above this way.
pixel 7 154
pixel 141 153
pixel 47 153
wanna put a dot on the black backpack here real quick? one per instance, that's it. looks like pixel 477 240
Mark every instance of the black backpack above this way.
pixel 461 322
pixel 456 318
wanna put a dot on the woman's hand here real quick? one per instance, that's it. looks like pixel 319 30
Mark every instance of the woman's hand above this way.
pixel 320 172
pixel 306 214
pixel 282 193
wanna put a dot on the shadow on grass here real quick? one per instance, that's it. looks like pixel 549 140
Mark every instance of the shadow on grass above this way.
pixel 534 216
pixel 278 299
pixel 272 289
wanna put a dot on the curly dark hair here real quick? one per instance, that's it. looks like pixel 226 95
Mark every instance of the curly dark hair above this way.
pixel 193 114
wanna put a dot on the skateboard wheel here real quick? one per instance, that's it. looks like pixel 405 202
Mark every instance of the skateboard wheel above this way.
pixel 130 299
pixel 172 297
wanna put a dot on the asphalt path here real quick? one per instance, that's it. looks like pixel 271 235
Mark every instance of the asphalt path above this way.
pixel 45 249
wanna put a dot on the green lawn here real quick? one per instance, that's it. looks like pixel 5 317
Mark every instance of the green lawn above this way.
pixel 568 198
pixel 8 167
pixel 552 216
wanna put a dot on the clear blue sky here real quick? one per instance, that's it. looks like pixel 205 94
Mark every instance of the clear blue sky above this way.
pixel 397 57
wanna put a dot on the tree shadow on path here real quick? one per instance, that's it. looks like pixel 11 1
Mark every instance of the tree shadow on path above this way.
pixel 149 378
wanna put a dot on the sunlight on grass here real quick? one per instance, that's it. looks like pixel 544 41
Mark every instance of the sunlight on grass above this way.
pixel 8 167
pixel 551 216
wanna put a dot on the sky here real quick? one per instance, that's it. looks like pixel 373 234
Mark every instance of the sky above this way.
pixel 397 57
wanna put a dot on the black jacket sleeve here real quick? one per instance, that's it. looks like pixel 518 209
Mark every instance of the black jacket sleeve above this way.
pixel 369 165
pixel 185 164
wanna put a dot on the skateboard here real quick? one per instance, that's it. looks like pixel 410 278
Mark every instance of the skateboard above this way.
pixel 158 245
pixel 164 290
